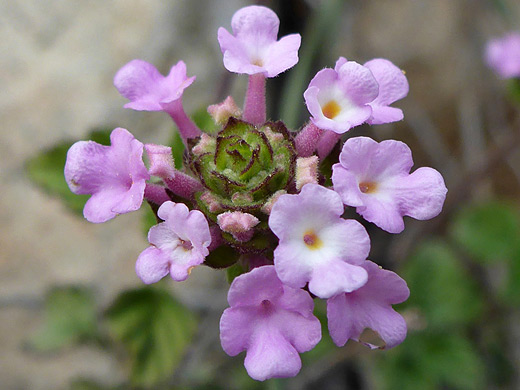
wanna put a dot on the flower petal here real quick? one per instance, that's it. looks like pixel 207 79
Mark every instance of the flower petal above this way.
pixel 393 84
pixel 152 265
pixel 282 55
pixel 369 307
pixel 114 175
pixel 421 195
pixel 270 355
pixel 336 277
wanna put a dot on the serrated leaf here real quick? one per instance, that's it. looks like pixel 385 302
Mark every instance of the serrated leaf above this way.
pixel 440 287
pixel 154 328
pixel 46 171
pixel 70 317
pixel 489 232
pixel 432 361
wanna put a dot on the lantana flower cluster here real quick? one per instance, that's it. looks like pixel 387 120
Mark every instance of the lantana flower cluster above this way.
pixel 252 196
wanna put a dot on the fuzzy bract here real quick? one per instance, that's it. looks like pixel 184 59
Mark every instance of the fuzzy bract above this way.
pixel 147 89
pixel 375 178
pixel 370 306
pixel 253 47
pixel 177 245
pixel 269 320
pixel 114 175
pixel 317 245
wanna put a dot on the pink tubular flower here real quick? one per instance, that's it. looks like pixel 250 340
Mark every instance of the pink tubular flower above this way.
pixel 178 244
pixel 114 175
pixel 316 244
pixel 375 178
pixel 253 48
pixel 338 99
pixel 503 55
pixel 369 307
pixel 147 89
pixel 393 86
pixel 269 320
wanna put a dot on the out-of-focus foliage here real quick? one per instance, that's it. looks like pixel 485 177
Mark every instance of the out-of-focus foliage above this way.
pixel 154 330
pixel 489 232
pixel 70 317
pixel 441 288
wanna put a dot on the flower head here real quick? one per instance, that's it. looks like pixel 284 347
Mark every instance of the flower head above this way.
pixel 375 178
pixel 178 244
pixel 269 320
pixel 393 86
pixel 338 99
pixel 369 307
pixel 147 89
pixel 253 48
pixel 243 167
pixel 114 175
pixel 503 55
pixel 316 245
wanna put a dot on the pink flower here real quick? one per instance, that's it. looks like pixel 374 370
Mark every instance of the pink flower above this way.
pixel 178 244
pixel 114 175
pixel 503 55
pixel 147 89
pixel 375 178
pixel 338 99
pixel 369 307
pixel 393 86
pixel 253 48
pixel 316 244
pixel 269 320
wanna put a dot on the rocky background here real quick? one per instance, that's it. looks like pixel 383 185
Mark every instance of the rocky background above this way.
pixel 57 61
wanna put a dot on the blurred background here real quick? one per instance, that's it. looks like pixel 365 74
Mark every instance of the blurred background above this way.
pixel 73 314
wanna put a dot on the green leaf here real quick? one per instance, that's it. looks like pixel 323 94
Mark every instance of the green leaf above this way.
pixel 430 361
pixel 235 270
pixel 489 232
pixel 440 287
pixel 204 121
pixel 177 150
pixel 70 317
pixel 155 330
pixel 149 217
pixel 88 384
pixel 46 171
pixel 513 89
pixel 510 292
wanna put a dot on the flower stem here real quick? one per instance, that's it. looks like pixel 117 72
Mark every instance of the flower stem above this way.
pixel 183 185
pixel 328 140
pixel 155 193
pixel 254 105
pixel 307 140
pixel 187 129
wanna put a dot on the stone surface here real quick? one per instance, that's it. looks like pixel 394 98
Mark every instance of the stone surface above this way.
pixel 57 61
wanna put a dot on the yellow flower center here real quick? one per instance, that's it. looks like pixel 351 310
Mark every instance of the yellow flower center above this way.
pixel 367 187
pixel 312 240
pixel 331 109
